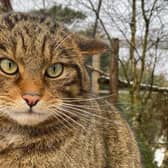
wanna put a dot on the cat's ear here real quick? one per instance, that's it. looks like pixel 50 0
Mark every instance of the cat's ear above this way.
pixel 89 46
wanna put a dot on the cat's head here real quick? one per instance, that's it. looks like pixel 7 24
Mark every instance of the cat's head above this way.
pixel 41 63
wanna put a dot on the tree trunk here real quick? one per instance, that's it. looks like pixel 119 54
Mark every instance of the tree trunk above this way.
pixel 132 53
pixel 114 71
pixel 135 89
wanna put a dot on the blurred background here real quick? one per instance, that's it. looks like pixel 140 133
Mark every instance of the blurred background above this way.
pixel 135 68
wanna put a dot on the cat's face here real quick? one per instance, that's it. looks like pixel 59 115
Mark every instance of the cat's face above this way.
pixel 40 65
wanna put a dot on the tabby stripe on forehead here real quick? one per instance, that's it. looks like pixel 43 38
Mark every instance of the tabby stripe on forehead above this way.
pixel 42 19
pixel 2 47
pixel 11 19
pixel 23 41
pixel 44 44
pixel 28 31
pixel 9 22
pixel 65 52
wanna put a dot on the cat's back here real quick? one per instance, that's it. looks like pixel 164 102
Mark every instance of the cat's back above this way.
pixel 121 146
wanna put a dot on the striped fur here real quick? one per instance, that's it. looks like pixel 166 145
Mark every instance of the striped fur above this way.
pixel 71 128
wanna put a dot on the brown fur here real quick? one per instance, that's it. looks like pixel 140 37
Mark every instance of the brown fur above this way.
pixel 85 133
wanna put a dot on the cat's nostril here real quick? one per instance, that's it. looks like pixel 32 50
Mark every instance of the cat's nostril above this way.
pixel 31 100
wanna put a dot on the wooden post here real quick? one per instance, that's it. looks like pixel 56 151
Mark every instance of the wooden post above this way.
pixel 114 70
pixel 95 75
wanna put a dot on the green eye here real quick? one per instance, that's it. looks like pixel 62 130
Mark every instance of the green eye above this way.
pixel 54 70
pixel 8 66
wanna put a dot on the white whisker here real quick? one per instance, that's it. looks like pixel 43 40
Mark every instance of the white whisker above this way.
pixel 83 117
pixel 84 111
pixel 60 110
pixel 58 116
pixel 85 99
pixel 70 159
pixel 64 39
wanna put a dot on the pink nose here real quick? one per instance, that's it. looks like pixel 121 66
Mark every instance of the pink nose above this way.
pixel 31 100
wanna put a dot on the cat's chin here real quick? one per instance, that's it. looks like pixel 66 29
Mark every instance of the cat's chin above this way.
pixel 28 119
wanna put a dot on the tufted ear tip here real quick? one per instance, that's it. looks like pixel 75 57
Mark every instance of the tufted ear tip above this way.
pixel 91 46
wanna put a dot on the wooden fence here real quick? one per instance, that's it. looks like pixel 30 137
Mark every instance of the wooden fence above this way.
pixel 112 79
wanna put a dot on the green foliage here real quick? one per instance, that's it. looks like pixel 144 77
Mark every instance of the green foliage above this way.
pixel 62 14
pixel 153 123
pixel 66 14
pixel 147 154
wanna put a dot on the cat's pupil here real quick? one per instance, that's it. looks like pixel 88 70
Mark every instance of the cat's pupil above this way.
pixel 54 68
pixel 10 65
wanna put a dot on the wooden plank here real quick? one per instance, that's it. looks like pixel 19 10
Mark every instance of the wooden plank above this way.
pixel 123 84
pixel 95 75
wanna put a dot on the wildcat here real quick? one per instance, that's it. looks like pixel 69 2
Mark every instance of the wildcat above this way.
pixel 48 119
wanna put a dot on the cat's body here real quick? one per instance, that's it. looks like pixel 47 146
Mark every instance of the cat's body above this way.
pixel 49 120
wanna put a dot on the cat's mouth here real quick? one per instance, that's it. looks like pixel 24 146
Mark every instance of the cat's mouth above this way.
pixel 29 112
pixel 28 117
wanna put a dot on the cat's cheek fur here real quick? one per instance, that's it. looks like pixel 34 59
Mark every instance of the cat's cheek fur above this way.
pixel 20 113
pixel 72 90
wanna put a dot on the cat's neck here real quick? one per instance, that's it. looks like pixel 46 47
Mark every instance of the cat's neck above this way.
pixel 14 136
